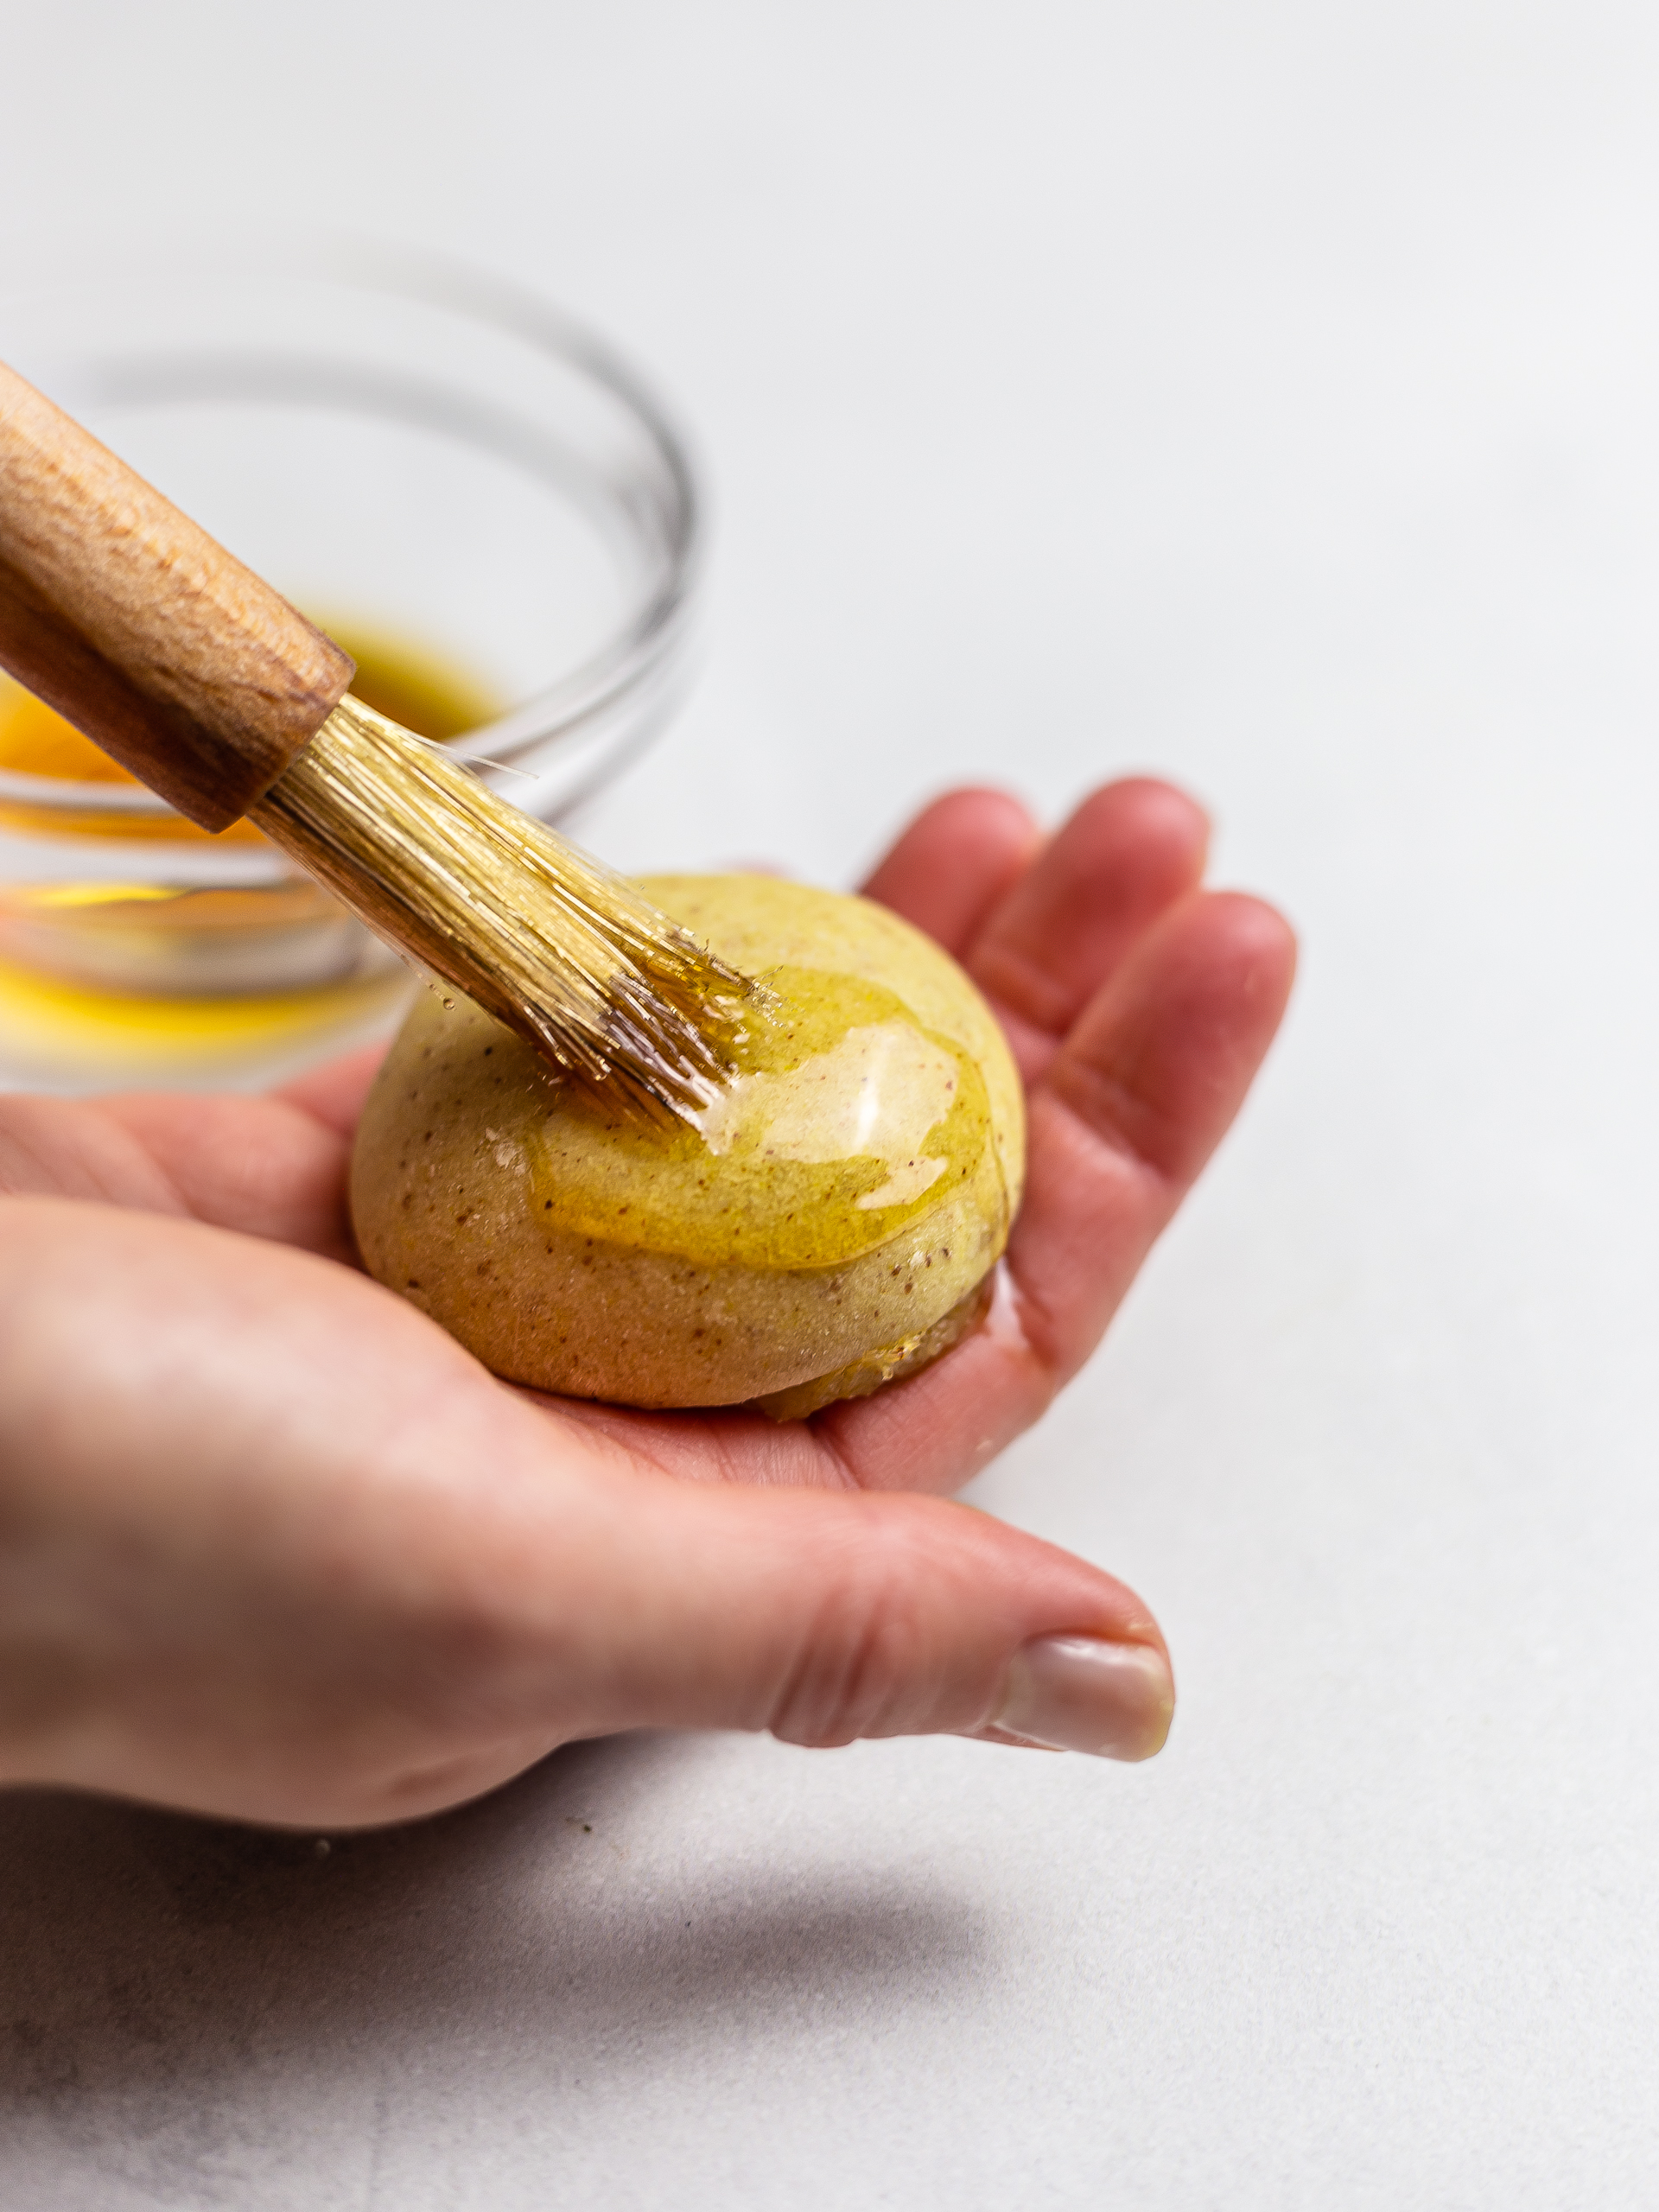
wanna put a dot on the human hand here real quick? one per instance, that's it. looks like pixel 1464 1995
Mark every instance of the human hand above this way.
pixel 273 1546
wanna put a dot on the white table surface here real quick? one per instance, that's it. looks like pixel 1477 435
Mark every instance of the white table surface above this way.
pixel 1268 397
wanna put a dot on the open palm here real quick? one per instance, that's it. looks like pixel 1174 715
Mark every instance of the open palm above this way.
pixel 272 1544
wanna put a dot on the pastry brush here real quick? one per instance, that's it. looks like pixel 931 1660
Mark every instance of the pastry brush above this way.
pixel 204 683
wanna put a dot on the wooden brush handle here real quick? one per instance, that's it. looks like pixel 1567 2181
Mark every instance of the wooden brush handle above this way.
pixel 117 611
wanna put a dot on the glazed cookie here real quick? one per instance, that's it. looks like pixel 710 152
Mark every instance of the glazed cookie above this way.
pixel 831 1222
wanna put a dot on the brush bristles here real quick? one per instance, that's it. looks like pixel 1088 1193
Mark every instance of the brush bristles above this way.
pixel 494 902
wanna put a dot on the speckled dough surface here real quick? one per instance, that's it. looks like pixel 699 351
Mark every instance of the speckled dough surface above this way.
pixel 833 1217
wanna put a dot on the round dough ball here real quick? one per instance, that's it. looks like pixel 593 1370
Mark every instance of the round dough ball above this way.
pixel 832 1222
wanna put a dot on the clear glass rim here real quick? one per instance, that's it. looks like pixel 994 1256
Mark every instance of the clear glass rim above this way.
pixel 630 660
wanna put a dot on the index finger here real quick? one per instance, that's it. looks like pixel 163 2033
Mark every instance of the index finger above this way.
pixel 333 1093
pixel 955 863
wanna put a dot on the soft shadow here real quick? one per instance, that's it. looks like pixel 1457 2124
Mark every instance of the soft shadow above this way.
pixel 149 1963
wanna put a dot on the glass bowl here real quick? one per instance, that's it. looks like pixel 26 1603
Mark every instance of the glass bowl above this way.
pixel 449 474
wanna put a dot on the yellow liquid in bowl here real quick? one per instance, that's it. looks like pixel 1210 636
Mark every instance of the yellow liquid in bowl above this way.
pixel 76 951
pixel 414 688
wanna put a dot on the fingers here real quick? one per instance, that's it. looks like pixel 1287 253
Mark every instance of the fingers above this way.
pixel 1134 1103
pixel 272 1547
pixel 955 862
pixel 1158 1066
pixel 1126 855
pixel 250 1164
pixel 258 1165
pixel 823 1618
pixel 333 1093
pixel 71 1148
pixel 271 1168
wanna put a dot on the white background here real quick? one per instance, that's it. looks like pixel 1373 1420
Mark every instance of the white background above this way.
pixel 1268 397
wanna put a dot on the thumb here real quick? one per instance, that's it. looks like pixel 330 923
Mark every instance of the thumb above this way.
pixel 826 1616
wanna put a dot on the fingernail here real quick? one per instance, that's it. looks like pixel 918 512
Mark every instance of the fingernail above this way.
pixel 1082 1694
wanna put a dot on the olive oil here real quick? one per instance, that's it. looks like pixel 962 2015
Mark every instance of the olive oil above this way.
pixel 145 967
pixel 832 1222
pixel 402 682
pixel 847 1119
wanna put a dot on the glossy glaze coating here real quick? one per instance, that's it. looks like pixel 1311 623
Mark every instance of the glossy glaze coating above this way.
pixel 838 1205
pixel 846 1119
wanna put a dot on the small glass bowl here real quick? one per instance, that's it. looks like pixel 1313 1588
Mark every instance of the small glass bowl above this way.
pixel 411 451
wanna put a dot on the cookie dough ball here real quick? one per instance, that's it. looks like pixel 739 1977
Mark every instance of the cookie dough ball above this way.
pixel 831 1222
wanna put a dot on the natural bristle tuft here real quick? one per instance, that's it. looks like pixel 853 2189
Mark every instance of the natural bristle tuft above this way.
pixel 555 945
